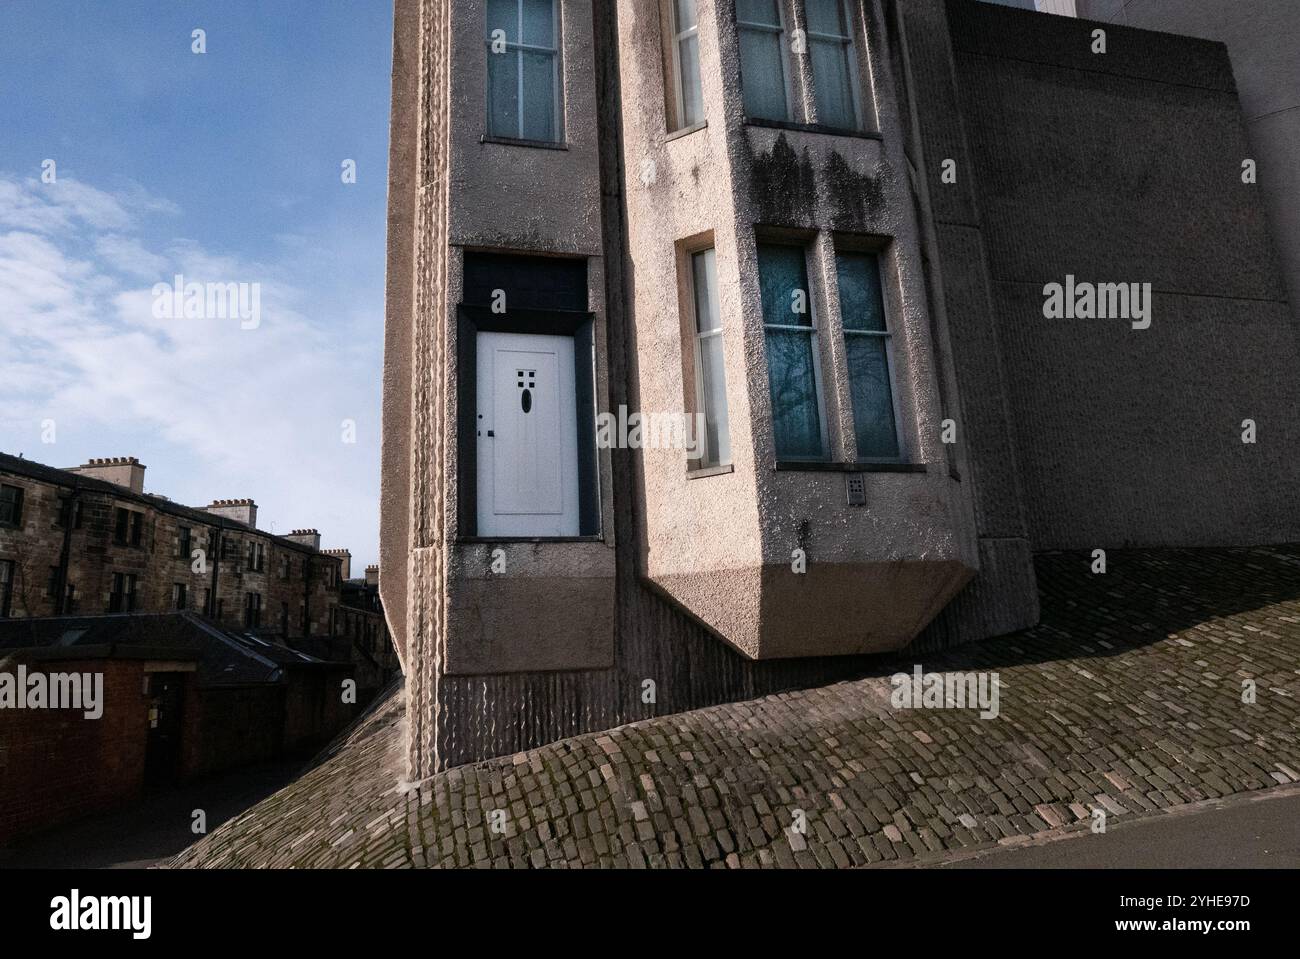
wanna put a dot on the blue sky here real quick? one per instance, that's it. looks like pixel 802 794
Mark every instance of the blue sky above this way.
pixel 223 167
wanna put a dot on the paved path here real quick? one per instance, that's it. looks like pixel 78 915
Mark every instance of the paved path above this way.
pixel 1257 831
pixel 1126 700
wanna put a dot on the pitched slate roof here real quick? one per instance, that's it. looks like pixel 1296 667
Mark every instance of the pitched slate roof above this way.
pixel 224 657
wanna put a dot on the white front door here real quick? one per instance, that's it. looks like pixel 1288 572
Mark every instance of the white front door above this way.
pixel 527 436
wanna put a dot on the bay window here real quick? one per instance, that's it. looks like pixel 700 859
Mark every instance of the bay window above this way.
pixel 763 58
pixel 791 338
pixel 799 61
pixel 832 62
pixel 867 352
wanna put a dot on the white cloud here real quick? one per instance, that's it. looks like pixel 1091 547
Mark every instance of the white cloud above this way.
pixel 223 411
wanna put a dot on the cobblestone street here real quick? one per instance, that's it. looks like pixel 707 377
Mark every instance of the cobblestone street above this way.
pixel 1127 698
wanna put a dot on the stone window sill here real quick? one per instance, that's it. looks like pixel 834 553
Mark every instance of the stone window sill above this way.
pixel 710 471
pixel 819 467
pixel 530 144
pixel 813 128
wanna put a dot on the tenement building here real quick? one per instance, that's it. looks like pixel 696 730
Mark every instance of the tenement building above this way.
pixel 90 541
pixel 730 342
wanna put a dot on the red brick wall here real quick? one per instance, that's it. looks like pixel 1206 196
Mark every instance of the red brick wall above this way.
pixel 56 765
pixel 314 708
pixel 229 727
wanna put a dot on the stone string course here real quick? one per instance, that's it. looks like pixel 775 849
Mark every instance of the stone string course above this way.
pixel 1127 697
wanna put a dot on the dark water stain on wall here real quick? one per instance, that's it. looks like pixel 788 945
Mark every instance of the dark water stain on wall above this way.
pixel 856 200
pixel 783 188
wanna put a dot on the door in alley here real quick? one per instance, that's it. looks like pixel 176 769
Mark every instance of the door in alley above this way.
pixel 165 702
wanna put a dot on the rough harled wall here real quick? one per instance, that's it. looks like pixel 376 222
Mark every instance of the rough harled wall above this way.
pixel 1263 39
pixel 429 394
pixel 1126 167
pixel 483 716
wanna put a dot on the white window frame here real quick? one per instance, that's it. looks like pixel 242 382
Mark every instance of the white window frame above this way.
pixel 679 85
pixel 900 437
pixel 850 43
pixel 784 33
pixel 813 330
pixel 519 48
pixel 707 460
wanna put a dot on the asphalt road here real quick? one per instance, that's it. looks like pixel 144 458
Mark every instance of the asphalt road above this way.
pixel 1248 832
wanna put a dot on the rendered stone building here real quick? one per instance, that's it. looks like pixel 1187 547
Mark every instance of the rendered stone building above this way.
pixel 818 234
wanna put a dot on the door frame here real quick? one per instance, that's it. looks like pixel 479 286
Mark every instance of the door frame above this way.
pixel 555 440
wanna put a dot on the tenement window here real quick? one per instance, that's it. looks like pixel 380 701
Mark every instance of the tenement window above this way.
pixel 122 598
pixel 6 587
pixel 129 527
pixel 183 543
pixel 69 512
pixel 792 364
pixel 252 610
pixel 710 380
pixel 867 350
pixel 179 596
pixel 11 505
pixel 525 97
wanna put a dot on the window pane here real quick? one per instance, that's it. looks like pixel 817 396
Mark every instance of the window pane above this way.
pixel 712 401
pixel 503 15
pixel 795 418
pixel 758 11
pixel 826 16
pixel 833 83
pixel 873 401
pixel 763 73
pixel 539 22
pixel 706 294
pixel 862 303
pixel 503 94
pixel 539 97
pixel 714 377
pixel 688 54
pixel 686 15
pixel 783 273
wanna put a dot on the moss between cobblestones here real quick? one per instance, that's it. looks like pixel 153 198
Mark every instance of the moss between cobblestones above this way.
pixel 1127 698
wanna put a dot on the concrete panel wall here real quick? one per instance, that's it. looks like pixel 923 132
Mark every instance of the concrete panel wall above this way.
pixel 1126 167
pixel 1263 40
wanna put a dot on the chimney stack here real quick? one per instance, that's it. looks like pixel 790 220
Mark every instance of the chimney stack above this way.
pixel 372 575
pixel 307 537
pixel 345 561
pixel 240 510
pixel 125 471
